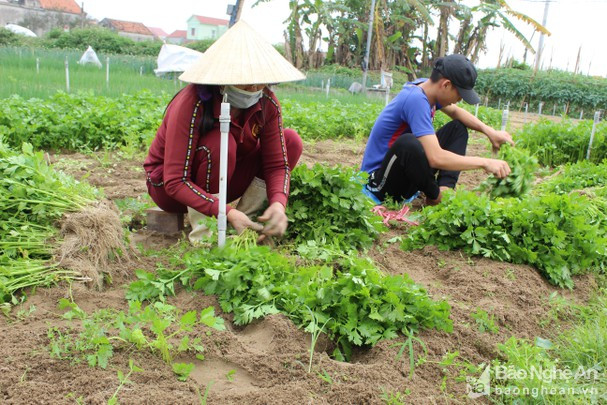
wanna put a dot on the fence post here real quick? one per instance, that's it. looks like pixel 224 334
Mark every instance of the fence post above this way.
pixel 486 101
pixel 526 112
pixel 328 86
pixel 67 75
pixel 554 110
pixel 540 105
pixel 107 71
pixel 597 118
pixel 37 65
pixel 504 118
pixel 476 111
pixel 582 114
pixel 141 71
pixel 322 85
pixel 499 103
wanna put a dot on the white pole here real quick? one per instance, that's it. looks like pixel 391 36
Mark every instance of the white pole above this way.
pixel 526 112
pixel 554 110
pixel 582 114
pixel 540 105
pixel 366 58
pixel 499 104
pixel 476 110
pixel 540 47
pixel 67 75
pixel 107 71
pixel 328 86
pixel 224 126
pixel 597 118
pixel 141 71
pixel 504 119
pixel 387 95
pixel 37 65
pixel 322 85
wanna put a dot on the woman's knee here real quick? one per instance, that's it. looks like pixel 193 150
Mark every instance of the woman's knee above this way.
pixel 294 146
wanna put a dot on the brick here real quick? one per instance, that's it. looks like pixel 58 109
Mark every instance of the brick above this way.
pixel 163 222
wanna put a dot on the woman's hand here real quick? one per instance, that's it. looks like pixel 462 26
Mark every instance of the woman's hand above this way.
pixel 240 221
pixel 275 220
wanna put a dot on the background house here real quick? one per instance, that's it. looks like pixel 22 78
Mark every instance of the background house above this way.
pixel 133 30
pixel 200 27
pixel 41 16
pixel 177 37
pixel 159 33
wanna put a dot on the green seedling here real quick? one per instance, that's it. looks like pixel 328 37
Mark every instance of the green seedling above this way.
pixel 315 331
pixel 123 379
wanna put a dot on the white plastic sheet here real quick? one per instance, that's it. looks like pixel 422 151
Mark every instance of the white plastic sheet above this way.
pixel 17 29
pixel 175 58
pixel 90 57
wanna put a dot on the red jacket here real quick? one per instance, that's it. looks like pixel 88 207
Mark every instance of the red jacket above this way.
pixel 170 159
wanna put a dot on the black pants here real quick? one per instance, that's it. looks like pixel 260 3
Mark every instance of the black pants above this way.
pixel 405 168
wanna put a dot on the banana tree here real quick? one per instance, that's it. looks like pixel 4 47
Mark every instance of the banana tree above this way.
pixel 496 13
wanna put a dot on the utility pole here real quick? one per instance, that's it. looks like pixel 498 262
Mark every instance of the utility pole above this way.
pixel 235 11
pixel 540 47
pixel 369 34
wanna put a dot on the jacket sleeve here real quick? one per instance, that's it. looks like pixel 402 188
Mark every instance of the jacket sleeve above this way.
pixel 275 165
pixel 182 122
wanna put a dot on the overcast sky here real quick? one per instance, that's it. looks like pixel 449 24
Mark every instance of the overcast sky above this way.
pixel 573 23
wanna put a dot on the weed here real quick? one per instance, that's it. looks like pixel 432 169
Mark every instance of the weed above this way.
pixel 203 399
pixel 484 321
pixel 394 397
pixel 325 376
pixel 510 274
pixel 408 344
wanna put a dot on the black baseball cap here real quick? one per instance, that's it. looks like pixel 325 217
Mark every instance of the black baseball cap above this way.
pixel 462 74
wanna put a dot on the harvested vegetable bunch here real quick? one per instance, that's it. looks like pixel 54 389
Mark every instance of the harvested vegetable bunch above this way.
pixel 520 180
pixel 33 197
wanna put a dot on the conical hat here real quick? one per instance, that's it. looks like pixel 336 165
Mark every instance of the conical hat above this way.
pixel 241 56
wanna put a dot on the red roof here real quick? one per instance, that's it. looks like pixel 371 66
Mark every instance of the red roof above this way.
pixel 158 32
pixel 178 34
pixel 68 6
pixel 211 20
pixel 128 26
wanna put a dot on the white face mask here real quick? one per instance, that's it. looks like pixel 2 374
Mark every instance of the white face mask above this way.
pixel 242 99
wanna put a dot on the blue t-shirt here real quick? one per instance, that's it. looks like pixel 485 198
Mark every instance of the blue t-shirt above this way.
pixel 409 112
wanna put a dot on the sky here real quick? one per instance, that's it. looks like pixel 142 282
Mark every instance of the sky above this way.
pixel 573 23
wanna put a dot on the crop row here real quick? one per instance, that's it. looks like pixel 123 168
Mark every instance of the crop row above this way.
pixel 554 87
pixel 88 122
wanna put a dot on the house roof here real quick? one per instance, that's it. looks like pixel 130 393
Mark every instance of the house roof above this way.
pixel 211 20
pixel 178 34
pixel 158 32
pixel 68 6
pixel 128 26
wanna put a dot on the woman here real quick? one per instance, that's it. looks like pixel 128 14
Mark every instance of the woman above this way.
pixel 182 166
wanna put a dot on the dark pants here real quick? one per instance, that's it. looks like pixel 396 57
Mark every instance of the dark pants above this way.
pixel 405 168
